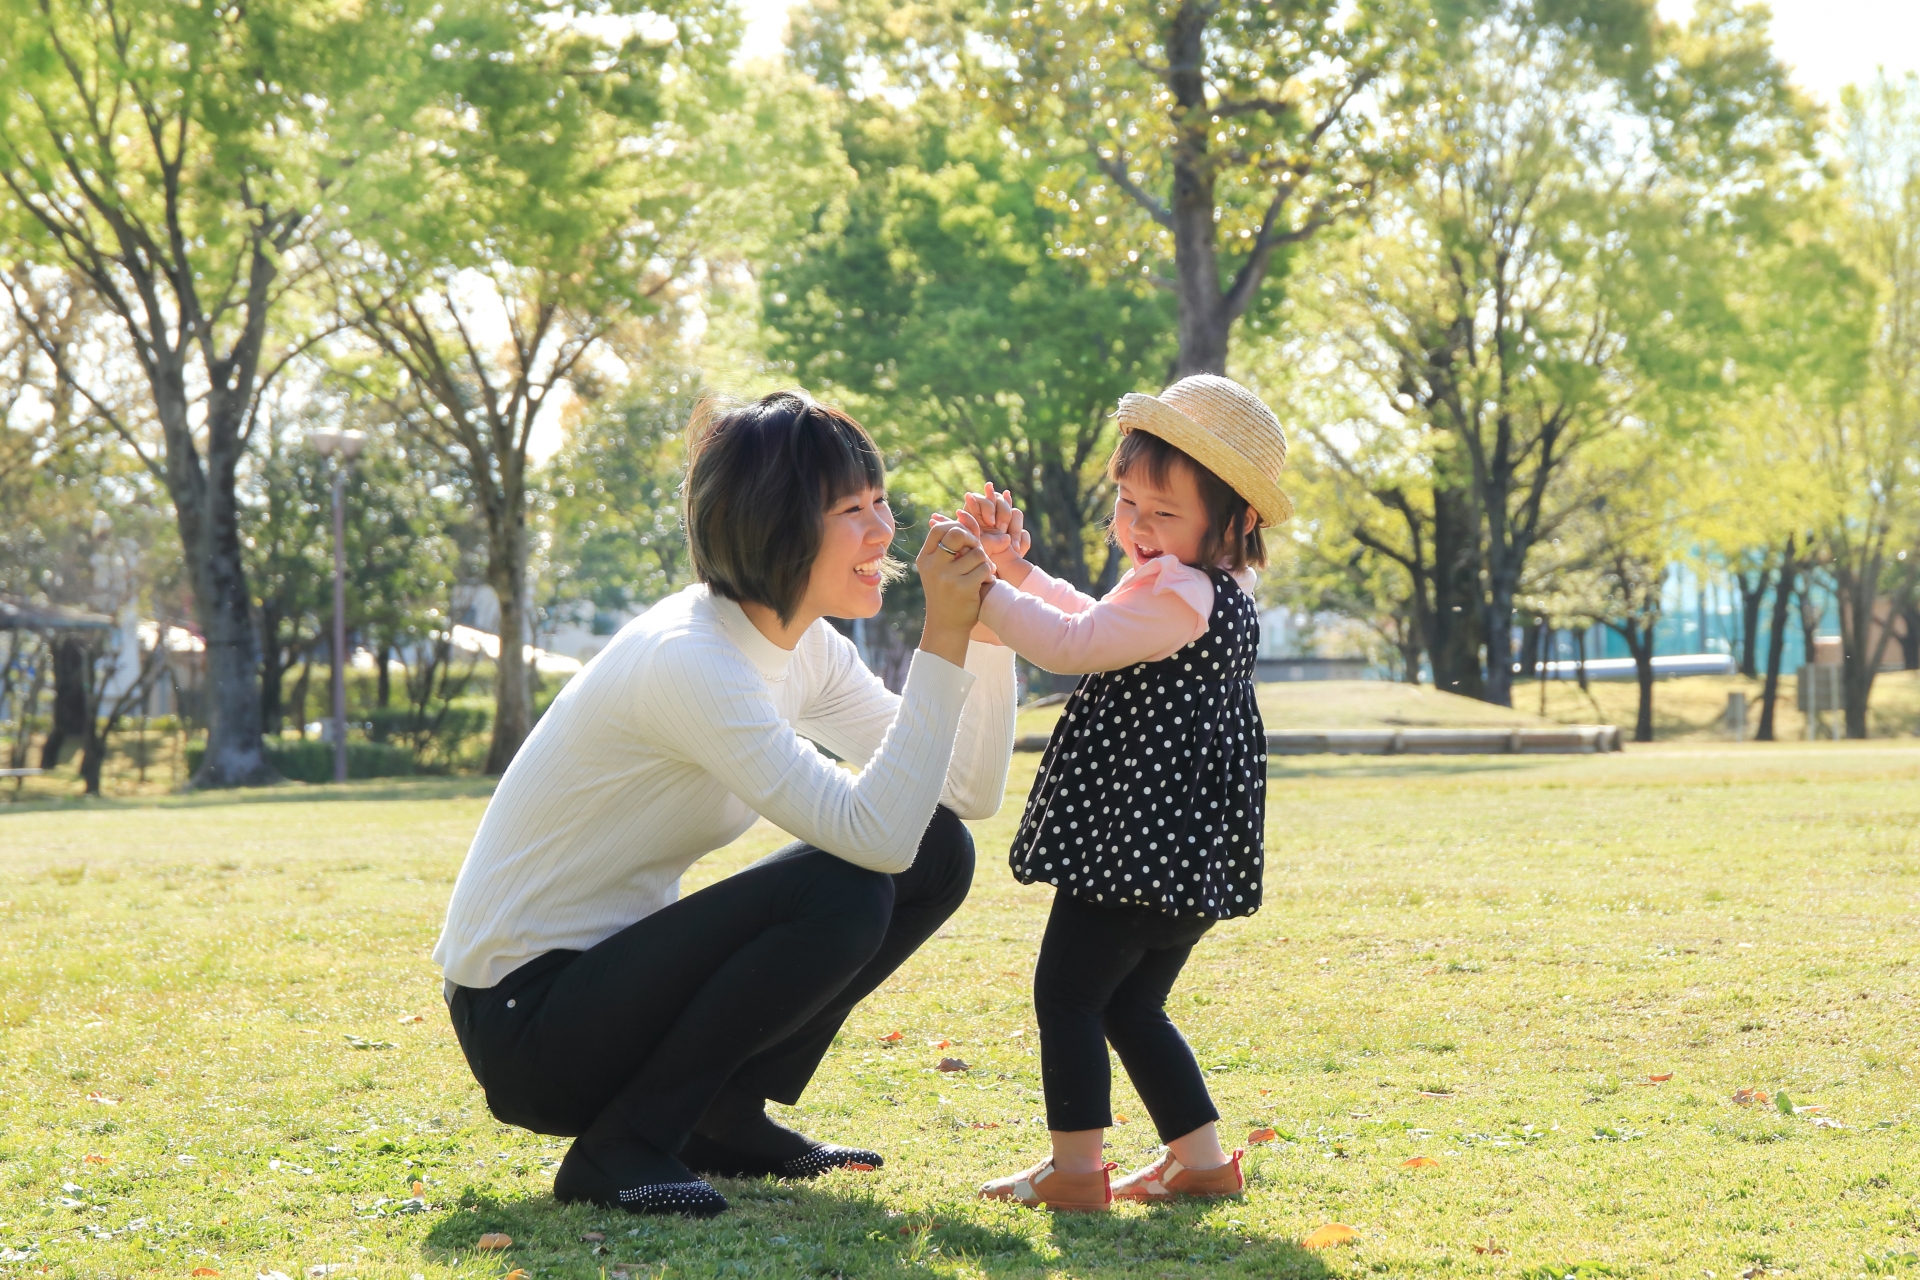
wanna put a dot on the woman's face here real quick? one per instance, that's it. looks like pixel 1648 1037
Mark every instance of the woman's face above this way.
pixel 1152 520
pixel 845 582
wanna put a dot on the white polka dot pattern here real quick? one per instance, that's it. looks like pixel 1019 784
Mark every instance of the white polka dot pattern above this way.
pixel 695 1199
pixel 1153 789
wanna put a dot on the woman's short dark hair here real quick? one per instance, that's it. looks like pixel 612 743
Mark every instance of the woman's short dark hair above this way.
pixel 1226 509
pixel 760 477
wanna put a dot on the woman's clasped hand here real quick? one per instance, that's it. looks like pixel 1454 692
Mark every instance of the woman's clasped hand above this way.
pixel 954 573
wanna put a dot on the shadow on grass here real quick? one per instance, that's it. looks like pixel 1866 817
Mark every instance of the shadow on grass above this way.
pixel 838 1227
pixel 427 788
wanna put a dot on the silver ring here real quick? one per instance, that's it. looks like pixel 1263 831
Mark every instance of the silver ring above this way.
pixel 944 547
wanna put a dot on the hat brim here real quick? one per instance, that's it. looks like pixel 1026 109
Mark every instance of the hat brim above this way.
pixel 1158 418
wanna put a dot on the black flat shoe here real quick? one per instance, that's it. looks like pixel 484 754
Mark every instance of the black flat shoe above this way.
pixel 718 1159
pixel 581 1180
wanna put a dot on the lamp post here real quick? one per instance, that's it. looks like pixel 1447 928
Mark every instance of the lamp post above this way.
pixel 343 447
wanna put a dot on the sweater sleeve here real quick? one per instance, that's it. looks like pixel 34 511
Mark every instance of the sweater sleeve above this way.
pixel 714 711
pixel 852 711
pixel 1150 615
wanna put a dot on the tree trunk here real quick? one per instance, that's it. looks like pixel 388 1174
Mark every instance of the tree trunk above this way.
pixel 299 700
pixel 1861 652
pixel 507 575
pixel 1643 673
pixel 273 670
pixel 1777 643
pixel 1499 638
pixel 1530 649
pixel 1751 596
pixel 1639 637
pixel 1204 320
pixel 1454 647
pixel 211 537
pixel 384 695
pixel 1910 638
pixel 69 726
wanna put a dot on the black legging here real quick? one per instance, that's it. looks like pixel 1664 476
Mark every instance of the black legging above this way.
pixel 1103 975
pixel 746 981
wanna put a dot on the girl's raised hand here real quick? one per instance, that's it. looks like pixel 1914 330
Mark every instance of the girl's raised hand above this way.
pixel 1003 534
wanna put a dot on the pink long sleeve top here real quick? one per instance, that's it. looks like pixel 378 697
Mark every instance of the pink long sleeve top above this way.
pixel 1154 611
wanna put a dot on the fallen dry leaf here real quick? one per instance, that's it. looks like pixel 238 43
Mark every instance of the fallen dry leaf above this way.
pixel 496 1240
pixel 1751 1097
pixel 1015 1035
pixel 942 1044
pixel 1821 1122
pixel 93 1159
pixel 419 1188
pixel 204 1271
pixel 593 1237
pixel 1259 1136
pixel 984 1124
pixel 1326 1237
pixel 102 1099
pixel 1661 1078
pixel 413 1017
pixel 1419 1162
pixel 516 1274
pixel 892 1036
pixel 1428 1093
pixel 950 1064
pixel 1432 968
pixel 858 1166
pixel 1490 1249
pixel 1121 1119
pixel 1265 1092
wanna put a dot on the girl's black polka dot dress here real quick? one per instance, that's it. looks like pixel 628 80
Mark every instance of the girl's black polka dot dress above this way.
pixel 1153 789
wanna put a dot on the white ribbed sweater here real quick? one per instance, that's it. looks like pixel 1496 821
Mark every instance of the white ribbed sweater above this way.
pixel 683 729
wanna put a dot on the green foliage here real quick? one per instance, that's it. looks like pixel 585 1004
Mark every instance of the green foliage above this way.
pixel 311 760
pixel 614 495
pixel 975 349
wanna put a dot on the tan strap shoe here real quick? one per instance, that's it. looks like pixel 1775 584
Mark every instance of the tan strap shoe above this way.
pixel 1043 1186
pixel 1168 1179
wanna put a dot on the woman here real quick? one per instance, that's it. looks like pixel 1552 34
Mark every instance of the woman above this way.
pixel 590 999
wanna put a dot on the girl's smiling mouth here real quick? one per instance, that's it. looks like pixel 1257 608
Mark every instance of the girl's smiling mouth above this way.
pixel 868 572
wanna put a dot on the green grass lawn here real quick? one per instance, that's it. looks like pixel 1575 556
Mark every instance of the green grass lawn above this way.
pixel 204 1064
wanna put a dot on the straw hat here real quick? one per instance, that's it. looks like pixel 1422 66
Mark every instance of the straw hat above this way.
pixel 1226 429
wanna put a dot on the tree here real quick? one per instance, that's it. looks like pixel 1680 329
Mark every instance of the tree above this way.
pixel 1218 136
pixel 935 302
pixel 1516 300
pixel 1868 450
pixel 580 174
pixel 400 555
pixel 178 159
pixel 614 495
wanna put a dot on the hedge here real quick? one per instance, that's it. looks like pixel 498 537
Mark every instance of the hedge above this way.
pixel 311 760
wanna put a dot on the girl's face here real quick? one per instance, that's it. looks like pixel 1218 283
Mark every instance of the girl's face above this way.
pixel 845 582
pixel 1151 520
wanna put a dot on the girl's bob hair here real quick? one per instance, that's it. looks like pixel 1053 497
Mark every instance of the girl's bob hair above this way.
pixel 1227 512
pixel 760 478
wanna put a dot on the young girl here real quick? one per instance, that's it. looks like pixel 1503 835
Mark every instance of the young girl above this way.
pixel 1149 805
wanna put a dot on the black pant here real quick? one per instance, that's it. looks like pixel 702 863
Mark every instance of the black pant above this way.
pixel 746 981
pixel 1104 974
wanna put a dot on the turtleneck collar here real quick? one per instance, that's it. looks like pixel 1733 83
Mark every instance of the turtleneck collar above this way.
pixel 768 658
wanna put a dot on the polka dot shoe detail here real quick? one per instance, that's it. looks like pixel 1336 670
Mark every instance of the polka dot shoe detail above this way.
pixel 580 1180
pixel 825 1157
pixel 691 1199
pixel 719 1159
pixel 1153 789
